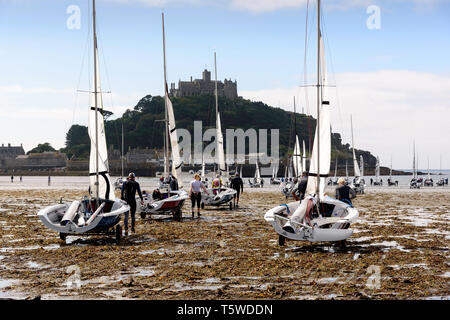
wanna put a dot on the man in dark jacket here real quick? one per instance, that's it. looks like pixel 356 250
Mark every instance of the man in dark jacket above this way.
pixel 128 194
pixel 238 185
pixel 344 193
pixel 298 192
pixel 173 183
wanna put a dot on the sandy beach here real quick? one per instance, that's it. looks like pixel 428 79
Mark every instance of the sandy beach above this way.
pixel 399 250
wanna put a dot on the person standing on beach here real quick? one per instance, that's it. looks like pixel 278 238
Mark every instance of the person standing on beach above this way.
pixel 299 190
pixel 344 193
pixel 20 178
pixel 195 193
pixel 12 179
pixel 128 193
pixel 49 180
pixel 238 185
pixel 174 184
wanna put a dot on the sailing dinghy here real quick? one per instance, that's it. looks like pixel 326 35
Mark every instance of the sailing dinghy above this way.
pixel 168 202
pixel 257 180
pixel 222 195
pixel 317 217
pixel 377 181
pixel 274 179
pixel 356 184
pixel 100 213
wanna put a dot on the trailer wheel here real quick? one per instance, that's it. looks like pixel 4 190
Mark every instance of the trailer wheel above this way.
pixel 143 215
pixel 341 243
pixel 177 214
pixel 231 206
pixel 118 233
pixel 63 236
pixel 281 240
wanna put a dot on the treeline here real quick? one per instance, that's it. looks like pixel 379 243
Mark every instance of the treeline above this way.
pixel 143 126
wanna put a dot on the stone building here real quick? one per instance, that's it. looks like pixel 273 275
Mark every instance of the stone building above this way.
pixel 204 86
pixel 144 156
pixel 38 161
pixel 9 153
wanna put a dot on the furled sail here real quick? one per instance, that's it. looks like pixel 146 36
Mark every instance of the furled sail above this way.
pixel 99 152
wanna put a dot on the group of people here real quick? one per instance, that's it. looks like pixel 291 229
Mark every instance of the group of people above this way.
pixel 343 191
pixel 197 185
pixel 130 187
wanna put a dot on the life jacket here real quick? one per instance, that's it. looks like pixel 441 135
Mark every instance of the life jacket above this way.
pixel 216 183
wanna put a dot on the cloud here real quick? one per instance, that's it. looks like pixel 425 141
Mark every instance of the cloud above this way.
pixel 390 108
pixel 259 6
pixel 265 6
pixel 34 115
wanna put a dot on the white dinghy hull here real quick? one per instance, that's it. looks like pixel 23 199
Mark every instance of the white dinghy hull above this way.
pixel 223 197
pixel 80 223
pixel 321 228
pixel 167 206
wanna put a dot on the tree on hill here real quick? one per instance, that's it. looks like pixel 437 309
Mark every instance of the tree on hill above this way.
pixel 143 126
pixel 77 142
pixel 42 147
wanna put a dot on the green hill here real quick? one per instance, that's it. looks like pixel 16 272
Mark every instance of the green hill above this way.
pixel 143 130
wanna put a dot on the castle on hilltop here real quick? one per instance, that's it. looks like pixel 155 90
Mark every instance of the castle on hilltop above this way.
pixel 204 86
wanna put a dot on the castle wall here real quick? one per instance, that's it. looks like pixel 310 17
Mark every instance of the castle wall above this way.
pixel 204 86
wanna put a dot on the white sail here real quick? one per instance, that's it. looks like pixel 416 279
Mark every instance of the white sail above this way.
pixel 176 159
pixel 220 153
pixel 357 173
pixel 377 170
pixel 257 173
pixel 361 163
pixel 324 121
pixel 297 159
pixel 304 157
pixel 96 129
pixel 335 169
pixel 390 170
pixel 203 169
pixel 414 160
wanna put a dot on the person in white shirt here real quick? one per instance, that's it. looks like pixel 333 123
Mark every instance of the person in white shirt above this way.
pixel 195 193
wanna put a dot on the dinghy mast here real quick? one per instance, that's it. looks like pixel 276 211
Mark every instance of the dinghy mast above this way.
pixel 166 127
pixel 220 158
pixel 321 151
pixel 97 195
pixel 171 129
pixel 98 159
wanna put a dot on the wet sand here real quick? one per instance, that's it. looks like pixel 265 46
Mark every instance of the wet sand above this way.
pixel 404 234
